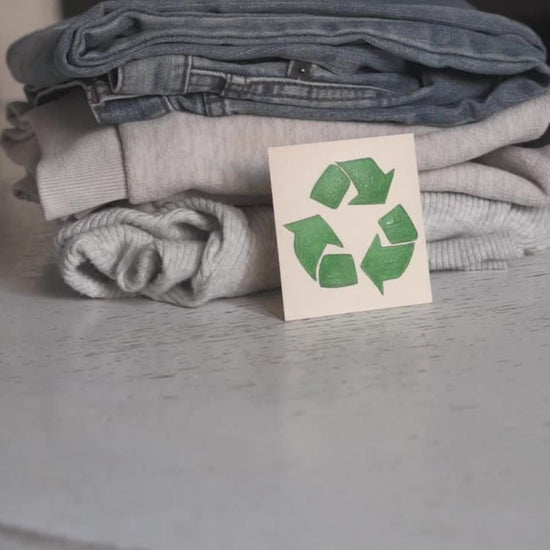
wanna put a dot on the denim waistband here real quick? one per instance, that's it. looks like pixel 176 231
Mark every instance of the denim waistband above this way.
pixel 415 108
pixel 439 98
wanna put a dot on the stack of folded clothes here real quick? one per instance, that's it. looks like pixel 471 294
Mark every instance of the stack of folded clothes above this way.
pixel 127 137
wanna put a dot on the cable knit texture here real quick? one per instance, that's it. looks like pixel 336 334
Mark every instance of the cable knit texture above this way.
pixel 195 250
pixel 185 253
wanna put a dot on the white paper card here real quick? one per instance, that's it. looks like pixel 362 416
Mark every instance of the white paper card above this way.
pixel 350 231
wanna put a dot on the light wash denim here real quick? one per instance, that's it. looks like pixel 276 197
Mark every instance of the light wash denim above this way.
pixel 416 63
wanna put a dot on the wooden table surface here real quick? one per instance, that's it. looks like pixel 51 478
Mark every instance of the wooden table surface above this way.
pixel 136 424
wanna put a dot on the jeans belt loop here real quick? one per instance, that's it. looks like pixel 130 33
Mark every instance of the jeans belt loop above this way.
pixel 234 85
pixel 186 76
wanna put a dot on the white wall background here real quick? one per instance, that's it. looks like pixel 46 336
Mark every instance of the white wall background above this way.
pixel 18 17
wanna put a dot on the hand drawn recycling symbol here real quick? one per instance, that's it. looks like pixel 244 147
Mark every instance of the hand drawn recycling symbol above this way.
pixel 312 235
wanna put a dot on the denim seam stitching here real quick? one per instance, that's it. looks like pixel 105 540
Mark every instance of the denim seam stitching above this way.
pixel 187 75
pixel 166 100
pixel 290 81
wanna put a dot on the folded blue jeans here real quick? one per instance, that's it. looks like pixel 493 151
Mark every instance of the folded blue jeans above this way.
pixel 412 62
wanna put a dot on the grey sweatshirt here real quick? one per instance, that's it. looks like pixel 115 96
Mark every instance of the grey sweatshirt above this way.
pixel 84 165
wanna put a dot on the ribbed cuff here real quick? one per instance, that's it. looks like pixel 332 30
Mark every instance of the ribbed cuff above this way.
pixel 81 164
pixel 69 185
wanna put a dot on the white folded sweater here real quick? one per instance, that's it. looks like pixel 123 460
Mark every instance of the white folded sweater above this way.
pixel 192 251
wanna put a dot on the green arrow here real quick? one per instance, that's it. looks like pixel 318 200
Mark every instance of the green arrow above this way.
pixel 311 236
pixel 331 187
pixel 398 226
pixel 371 183
pixel 337 270
pixel 382 263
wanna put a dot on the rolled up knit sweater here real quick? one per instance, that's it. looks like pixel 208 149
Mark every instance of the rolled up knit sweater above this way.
pixel 197 249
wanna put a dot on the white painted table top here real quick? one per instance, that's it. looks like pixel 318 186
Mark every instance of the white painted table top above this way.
pixel 142 425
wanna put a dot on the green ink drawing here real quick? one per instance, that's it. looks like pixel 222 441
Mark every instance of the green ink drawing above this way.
pixel 337 270
pixel 398 226
pixel 369 180
pixel 331 187
pixel 371 183
pixel 382 263
pixel 312 235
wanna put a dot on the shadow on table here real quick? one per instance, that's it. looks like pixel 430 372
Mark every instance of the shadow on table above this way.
pixel 19 538
pixel 268 303
pixel 27 268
